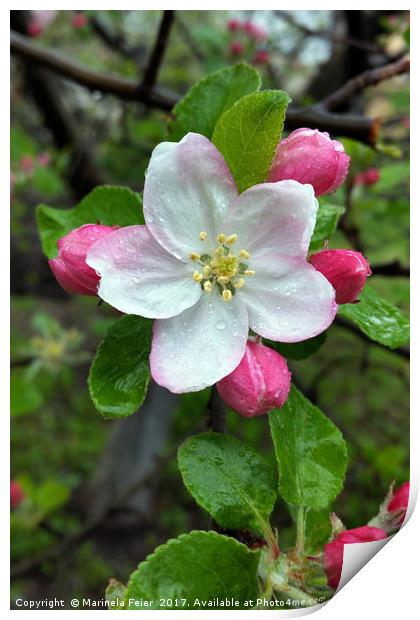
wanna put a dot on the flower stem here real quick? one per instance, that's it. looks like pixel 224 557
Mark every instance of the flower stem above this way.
pixel 216 412
pixel 300 529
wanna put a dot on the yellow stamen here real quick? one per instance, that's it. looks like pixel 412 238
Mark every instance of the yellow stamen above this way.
pixel 195 256
pixel 206 270
pixel 239 283
pixel 208 286
pixel 197 276
pixel 227 295
pixel 203 236
pixel 244 254
pixel 231 239
pixel 221 238
pixel 223 280
pixel 249 272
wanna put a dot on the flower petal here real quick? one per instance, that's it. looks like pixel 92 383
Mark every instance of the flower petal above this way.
pixel 200 346
pixel 188 190
pixel 287 299
pixel 277 217
pixel 139 277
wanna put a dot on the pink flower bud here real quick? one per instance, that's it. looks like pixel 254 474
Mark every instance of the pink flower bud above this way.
pixel 43 159
pixel 399 502
pixel 27 164
pixel 310 156
pixel 70 268
pixel 334 551
pixel 17 494
pixel 254 31
pixel 79 20
pixel 262 56
pixel 345 270
pixel 236 48
pixel 39 21
pixel 234 24
pixel 372 176
pixel 260 382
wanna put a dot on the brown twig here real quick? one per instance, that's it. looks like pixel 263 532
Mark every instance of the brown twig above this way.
pixel 357 127
pixel 365 79
pixel 216 412
pixel 394 269
pixel 156 57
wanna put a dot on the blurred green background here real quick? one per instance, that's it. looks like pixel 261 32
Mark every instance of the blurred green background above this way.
pixel 99 496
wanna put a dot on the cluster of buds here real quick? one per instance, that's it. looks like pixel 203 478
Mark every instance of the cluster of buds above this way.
pixel 260 382
pixel 39 22
pixel 79 20
pixel 250 35
pixel 390 517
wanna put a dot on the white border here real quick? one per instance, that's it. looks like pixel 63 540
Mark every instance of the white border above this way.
pixel 387 586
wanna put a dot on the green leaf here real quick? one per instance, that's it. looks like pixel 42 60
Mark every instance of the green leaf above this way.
pixel 248 133
pixel 228 479
pixel 392 177
pixel 206 101
pixel 298 350
pixel 326 223
pixel 378 319
pixel 107 205
pixel 199 566
pixel 310 451
pixel 24 394
pixel 317 531
pixel 50 496
pixel 120 373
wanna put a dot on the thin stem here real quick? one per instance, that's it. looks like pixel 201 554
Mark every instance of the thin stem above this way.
pixel 300 529
pixel 216 412
pixel 270 538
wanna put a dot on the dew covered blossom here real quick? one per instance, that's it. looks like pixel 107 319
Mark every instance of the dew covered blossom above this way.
pixel 260 382
pixel 209 264
pixel 310 156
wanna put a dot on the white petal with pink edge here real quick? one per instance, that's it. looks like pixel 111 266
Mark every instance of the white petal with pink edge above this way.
pixel 275 217
pixel 287 299
pixel 200 346
pixel 188 191
pixel 138 276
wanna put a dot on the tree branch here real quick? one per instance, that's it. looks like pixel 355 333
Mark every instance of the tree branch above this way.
pixel 365 79
pixel 216 412
pixel 357 127
pixel 156 57
pixel 394 269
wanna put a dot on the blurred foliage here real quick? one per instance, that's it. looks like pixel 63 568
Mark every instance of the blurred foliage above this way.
pixel 57 436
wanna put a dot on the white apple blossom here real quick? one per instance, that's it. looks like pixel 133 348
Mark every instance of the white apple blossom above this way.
pixel 209 264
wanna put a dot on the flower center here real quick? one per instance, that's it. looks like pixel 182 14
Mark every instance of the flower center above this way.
pixel 224 270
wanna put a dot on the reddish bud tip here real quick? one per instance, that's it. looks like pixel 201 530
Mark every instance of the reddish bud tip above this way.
pixel 345 270
pixel 17 494
pixel 399 502
pixel 260 382
pixel 70 268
